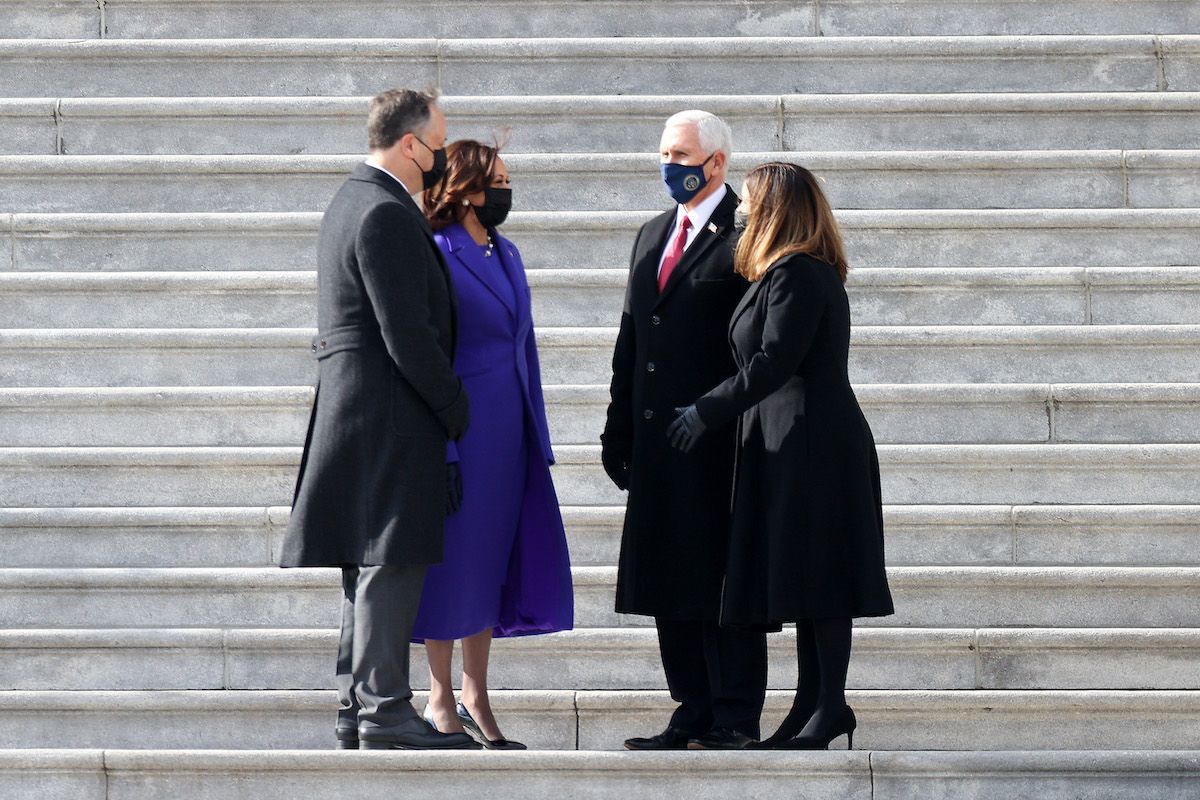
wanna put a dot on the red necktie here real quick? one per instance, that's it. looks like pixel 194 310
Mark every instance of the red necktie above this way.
pixel 674 253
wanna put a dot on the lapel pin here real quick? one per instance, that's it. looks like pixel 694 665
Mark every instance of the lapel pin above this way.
pixel 712 227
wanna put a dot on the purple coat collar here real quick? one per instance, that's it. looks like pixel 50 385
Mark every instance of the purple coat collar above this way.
pixel 464 248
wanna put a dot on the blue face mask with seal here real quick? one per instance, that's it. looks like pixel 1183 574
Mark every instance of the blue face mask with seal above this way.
pixel 684 182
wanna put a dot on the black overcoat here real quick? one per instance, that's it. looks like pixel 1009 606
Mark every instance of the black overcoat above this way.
pixel 807 532
pixel 372 482
pixel 670 349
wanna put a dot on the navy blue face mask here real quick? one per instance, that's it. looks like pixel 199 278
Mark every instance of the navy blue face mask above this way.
pixel 684 182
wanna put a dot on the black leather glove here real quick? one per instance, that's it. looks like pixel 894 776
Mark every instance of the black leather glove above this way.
pixel 687 428
pixel 615 459
pixel 454 488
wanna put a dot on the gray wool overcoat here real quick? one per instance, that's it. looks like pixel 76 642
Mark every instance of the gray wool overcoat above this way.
pixel 372 482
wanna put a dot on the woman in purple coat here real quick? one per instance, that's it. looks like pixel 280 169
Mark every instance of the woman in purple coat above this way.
pixel 506 570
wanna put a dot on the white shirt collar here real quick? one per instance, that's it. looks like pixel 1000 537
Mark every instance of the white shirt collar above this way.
pixel 393 177
pixel 701 213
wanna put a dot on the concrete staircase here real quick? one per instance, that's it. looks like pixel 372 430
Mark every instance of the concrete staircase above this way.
pixel 1019 187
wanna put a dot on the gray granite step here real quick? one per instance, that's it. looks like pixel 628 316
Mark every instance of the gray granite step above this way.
pixel 1092 597
pixel 235 18
pixel 898 413
pixel 57 357
pixel 561 240
pixel 777 64
pixel 912 475
pixel 582 297
pixel 863 775
pixel 809 122
pixel 968 535
pixel 602 659
pixel 853 180
pixel 943 720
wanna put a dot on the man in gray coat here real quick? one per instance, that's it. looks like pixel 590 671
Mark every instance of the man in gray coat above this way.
pixel 374 485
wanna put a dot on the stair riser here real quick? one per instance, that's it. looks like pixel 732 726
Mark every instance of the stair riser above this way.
pixel 884 188
pixel 585 305
pixel 566 362
pixel 291 246
pixel 142 19
pixel 997 542
pixel 637 667
pixel 1011 604
pixel 154 73
pixel 802 129
pixel 948 420
pixel 927 727
pixel 907 479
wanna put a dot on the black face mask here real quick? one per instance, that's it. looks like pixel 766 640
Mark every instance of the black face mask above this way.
pixel 496 204
pixel 431 176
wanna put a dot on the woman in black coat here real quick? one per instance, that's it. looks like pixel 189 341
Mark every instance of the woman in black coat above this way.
pixel 806 544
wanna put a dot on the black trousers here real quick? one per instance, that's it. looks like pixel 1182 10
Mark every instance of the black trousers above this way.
pixel 717 675
pixel 379 606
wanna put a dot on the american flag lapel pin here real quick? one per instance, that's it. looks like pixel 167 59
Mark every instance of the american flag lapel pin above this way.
pixel 712 227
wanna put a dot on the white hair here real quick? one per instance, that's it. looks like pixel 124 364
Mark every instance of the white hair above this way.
pixel 715 134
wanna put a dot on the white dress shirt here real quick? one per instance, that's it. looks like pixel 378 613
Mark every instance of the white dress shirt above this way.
pixel 699 217
pixel 397 180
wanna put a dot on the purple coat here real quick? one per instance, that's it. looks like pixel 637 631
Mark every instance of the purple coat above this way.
pixel 506 563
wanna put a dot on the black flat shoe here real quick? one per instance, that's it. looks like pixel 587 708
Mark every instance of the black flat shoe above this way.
pixel 414 734
pixel 845 725
pixel 670 739
pixel 347 738
pixel 721 739
pixel 473 728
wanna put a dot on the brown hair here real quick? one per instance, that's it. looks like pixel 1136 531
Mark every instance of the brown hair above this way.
pixel 397 112
pixel 788 214
pixel 469 166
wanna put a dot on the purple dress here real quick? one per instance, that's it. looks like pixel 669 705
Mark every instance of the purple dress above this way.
pixel 506 565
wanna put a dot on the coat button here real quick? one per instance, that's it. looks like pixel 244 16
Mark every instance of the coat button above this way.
pixel 324 344
pixel 650 367
pixel 314 347
pixel 648 414
pixel 656 320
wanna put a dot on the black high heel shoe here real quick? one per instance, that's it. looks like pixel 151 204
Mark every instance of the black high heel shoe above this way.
pixel 846 725
pixel 792 724
pixel 473 728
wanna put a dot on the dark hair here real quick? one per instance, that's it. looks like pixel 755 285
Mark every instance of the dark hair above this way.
pixel 469 166
pixel 788 214
pixel 397 112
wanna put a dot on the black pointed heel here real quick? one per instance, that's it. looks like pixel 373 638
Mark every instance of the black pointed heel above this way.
pixel 845 726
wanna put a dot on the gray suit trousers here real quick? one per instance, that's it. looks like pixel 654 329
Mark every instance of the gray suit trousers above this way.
pixel 379 605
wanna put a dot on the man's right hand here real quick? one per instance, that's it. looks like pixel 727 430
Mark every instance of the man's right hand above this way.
pixel 615 459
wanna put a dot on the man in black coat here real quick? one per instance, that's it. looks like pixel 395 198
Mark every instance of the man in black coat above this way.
pixel 671 348
pixel 374 486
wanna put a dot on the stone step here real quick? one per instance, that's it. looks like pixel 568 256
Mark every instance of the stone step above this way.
pixel 57 357
pixel 564 720
pixel 862 775
pixel 180 67
pixel 883 296
pixel 560 240
pixel 602 659
pixel 899 414
pixel 913 474
pixel 811 122
pixel 854 180
pixel 140 19
pixel 1092 597
pixel 972 535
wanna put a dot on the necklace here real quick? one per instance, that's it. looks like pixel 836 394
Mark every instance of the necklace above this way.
pixel 487 252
